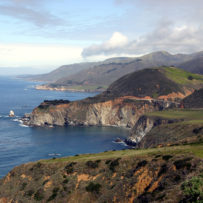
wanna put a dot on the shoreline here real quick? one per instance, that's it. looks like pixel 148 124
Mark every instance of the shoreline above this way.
pixel 62 88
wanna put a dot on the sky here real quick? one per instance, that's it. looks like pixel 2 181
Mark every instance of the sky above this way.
pixel 40 35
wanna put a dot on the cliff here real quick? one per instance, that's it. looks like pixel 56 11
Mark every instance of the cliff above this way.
pixel 172 174
pixel 122 112
pixel 167 128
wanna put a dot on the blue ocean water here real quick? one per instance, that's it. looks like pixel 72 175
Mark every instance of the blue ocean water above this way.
pixel 20 144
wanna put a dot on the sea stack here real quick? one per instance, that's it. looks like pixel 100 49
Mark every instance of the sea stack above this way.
pixel 11 114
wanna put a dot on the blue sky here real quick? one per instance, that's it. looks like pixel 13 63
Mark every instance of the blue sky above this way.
pixel 44 34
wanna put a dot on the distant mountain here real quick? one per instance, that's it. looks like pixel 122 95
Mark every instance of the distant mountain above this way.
pixel 95 76
pixel 65 70
pixel 195 65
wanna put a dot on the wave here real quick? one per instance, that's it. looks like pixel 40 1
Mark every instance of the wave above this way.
pixel 23 125
pixel 54 154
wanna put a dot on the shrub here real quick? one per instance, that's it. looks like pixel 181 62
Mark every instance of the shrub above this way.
pixel 39 195
pixel 163 170
pixel 29 193
pixel 92 164
pixel 190 77
pixel 108 161
pixel 183 163
pixel 93 187
pixel 193 190
pixel 38 165
pixel 54 194
pixel 65 181
pixel 69 167
pixel 141 164
pixel 166 157
pixel 23 186
pixel 113 164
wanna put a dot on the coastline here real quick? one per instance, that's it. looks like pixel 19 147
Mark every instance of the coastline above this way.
pixel 64 88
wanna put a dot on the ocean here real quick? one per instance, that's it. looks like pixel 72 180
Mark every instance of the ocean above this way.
pixel 20 144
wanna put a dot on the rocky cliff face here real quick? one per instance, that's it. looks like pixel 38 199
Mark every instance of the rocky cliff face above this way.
pixel 122 112
pixel 152 131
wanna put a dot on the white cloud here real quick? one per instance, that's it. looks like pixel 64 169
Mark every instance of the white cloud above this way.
pixel 116 42
pixel 38 56
pixel 166 36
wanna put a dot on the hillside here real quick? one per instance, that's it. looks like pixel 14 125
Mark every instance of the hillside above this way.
pixel 194 100
pixel 100 75
pixel 172 174
pixel 155 83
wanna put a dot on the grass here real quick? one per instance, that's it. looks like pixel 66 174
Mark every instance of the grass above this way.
pixel 193 149
pixel 190 116
pixel 183 77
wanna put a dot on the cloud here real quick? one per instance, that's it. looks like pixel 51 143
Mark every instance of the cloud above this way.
pixel 29 11
pixel 166 36
pixel 116 42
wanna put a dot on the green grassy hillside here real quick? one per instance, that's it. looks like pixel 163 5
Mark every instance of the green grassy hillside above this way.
pixel 154 82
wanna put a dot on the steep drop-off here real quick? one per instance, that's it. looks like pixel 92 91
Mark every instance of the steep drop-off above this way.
pixel 167 128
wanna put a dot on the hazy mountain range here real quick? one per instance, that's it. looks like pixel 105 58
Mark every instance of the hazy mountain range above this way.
pixel 98 75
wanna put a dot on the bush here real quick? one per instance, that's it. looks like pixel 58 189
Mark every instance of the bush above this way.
pixel 193 190
pixel 65 181
pixel 23 186
pixel 166 157
pixel 54 194
pixel 69 168
pixel 92 187
pixel 29 193
pixel 190 77
pixel 163 170
pixel 39 195
pixel 113 164
pixel 92 164
pixel 141 164
pixel 183 163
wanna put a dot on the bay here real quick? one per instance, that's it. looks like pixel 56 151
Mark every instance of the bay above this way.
pixel 20 144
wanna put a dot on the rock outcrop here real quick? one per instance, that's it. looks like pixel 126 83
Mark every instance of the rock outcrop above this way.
pixel 122 112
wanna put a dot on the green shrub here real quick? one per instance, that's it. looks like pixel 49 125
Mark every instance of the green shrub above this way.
pixel 141 164
pixel 69 168
pixel 65 181
pixel 54 194
pixel 108 161
pixel 163 170
pixel 190 77
pixel 166 157
pixel 29 193
pixel 193 190
pixel 93 187
pixel 23 186
pixel 92 164
pixel 113 164
pixel 183 163
pixel 39 195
